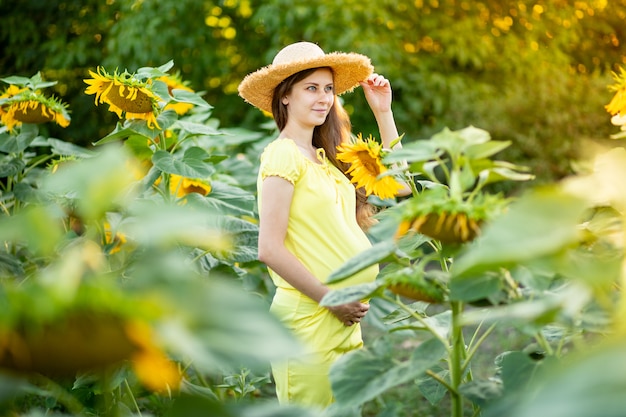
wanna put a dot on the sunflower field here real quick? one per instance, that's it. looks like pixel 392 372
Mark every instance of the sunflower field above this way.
pixel 129 279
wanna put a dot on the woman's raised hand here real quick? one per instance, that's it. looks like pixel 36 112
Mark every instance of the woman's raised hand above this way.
pixel 378 93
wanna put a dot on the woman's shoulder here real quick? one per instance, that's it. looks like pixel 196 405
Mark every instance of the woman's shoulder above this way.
pixel 281 145
pixel 282 158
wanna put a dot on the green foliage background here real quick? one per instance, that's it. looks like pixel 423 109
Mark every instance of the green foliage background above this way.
pixel 530 72
pixel 533 72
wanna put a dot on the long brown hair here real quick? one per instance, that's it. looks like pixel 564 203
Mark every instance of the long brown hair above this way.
pixel 335 130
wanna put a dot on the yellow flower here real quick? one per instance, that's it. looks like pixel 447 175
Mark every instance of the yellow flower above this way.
pixel 114 241
pixel 125 95
pixel 618 102
pixel 174 82
pixel 364 157
pixel 150 364
pixel 22 105
pixel 181 186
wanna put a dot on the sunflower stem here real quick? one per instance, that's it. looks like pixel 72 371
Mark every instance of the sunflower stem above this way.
pixel 420 319
pixel 132 396
pixel 409 180
pixel 456 357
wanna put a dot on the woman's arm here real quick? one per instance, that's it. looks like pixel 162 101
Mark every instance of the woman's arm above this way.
pixel 379 96
pixel 276 197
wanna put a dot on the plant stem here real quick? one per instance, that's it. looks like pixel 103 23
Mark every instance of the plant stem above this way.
pixel 457 355
pixel 61 395
pixel 409 180
pixel 132 397
pixel 474 346
pixel 419 319
pixel 441 381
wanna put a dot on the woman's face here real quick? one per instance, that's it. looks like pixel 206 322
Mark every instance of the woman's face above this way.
pixel 310 99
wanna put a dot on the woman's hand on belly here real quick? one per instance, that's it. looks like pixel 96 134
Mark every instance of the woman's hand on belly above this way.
pixel 350 313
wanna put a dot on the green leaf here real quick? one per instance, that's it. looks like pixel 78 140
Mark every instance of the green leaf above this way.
pixel 349 294
pixel 184 96
pixel 486 149
pixel 438 324
pixel 96 185
pixel 121 131
pixel 589 383
pixel 191 165
pixel 419 151
pixel 542 223
pixel 15 79
pixel 155 72
pixel 472 288
pixel 450 141
pixel 473 136
pixel 362 375
pixel 21 141
pixel 530 315
pixel 482 392
pixel 197 128
pixel 11 167
pixel 379 252
pixel 10 265
pixel 495 171
pixel 221 323
pixel 153 224
pixel 516 370
pixel 36 227
pixel 60 147
pixel 432 389
pixel 227 199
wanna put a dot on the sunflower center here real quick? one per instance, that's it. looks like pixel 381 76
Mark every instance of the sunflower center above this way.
pixel 141 103
pixel 197 189
pixel 369 163
pixel 33 114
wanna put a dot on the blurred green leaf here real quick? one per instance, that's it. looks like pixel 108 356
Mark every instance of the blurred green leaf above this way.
pixel 541 223
pixel 152 224
pixel 11 167
pixel 486 149
pixel 379 252
pixel 587 384
pixel 474 287
pixel 226 199
pixel 96 184
pixel 362 375
pixel 220 323
pixel 350 294
pixel 36 228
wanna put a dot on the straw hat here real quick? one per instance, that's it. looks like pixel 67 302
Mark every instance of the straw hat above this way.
pixel 349 69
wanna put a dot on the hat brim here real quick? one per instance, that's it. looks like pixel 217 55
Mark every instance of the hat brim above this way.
pixel 349 69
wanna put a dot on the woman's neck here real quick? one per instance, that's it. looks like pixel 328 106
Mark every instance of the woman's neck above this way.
pixel 302 137
pixel 303 140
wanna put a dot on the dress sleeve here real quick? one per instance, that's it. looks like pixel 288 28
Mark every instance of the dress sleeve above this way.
pixel 281 158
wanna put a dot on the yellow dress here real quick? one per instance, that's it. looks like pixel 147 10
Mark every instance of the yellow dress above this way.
pixel 323 234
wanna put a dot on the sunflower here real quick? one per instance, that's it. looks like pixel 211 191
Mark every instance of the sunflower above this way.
pixel 434 214
pixel 181 186
pixel 174 82
pixel 150 364
pixel 366 167
pixel 125 95
pixel 617 104
pixel 22 105
pixel 113 241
